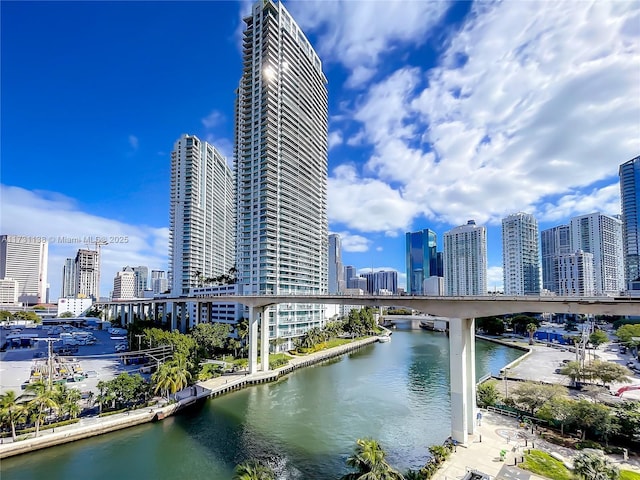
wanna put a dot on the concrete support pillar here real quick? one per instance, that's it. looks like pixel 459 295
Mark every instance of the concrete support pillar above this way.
pixel 264 344
pixel 197 320
pixel 174 316
pixel 183 317
pixel 253 340
pixel 463 377
pixel 122 314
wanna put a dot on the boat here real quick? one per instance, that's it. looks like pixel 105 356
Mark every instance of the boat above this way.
pixel 432 327
pixel 384 338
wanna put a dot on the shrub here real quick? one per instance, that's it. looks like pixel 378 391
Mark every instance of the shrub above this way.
pixel 209 370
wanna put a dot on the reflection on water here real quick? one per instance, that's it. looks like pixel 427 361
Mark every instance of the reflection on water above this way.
pixel 304 425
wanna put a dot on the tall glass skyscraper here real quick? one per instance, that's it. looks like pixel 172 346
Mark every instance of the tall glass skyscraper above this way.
pixel 202 215
pixel 281 168
pixel 520 255
pixel 421 258
pixel 336 270
pixel 630 198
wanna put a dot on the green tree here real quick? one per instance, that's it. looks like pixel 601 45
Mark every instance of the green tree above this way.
pixel 42 404
pixel 210 337
pixel 626 333
pixel 586 415
pixel 12 410
pixel 607 372
pixel 67 400
pixel 253 470
pixel 172 376
pixel 531 396
pixel 559 409
pixel 574 371
pixel 490 325
pixel 369 462
pixel 628 417
pixel 520 323
pixel 66 315
pixel 597 338
pixel 487 394
pixel 593 466
pixel 28 316
pixel 5 315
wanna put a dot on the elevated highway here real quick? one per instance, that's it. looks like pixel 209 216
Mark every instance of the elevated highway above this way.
pixel 461 312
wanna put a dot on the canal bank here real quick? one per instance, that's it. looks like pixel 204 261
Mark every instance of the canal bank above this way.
pixel 94 426
pixel 307 422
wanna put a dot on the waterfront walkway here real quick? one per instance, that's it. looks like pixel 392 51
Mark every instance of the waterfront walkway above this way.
pixel 501 433
pixel 92 426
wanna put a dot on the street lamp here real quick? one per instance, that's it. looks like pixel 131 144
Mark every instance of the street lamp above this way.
pixel 139 336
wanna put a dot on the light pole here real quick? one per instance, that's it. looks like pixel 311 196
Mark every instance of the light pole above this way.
pixel 506 383
pixel 139 336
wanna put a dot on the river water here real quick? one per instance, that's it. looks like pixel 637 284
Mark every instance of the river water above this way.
pixel 305 425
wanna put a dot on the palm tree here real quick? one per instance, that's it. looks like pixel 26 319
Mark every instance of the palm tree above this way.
pixel 531 328
pixel 43 402
pixel 13 410
pixel 594 466
pixel 67 399
pixel 253 470
pixel 369 461
pixel 172 376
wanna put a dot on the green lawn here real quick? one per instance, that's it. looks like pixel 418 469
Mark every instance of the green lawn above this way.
pixel 545 465
pixel 629 475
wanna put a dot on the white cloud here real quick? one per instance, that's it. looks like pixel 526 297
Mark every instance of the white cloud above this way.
pixel 379 249
pixel 358 34
pixel 366 204
pixel 133 142
pixel 354 243
pixel 495 280
pixel 527 105
pixel 54 216
pixel 335 139
pixel 605 200
pixel 214 119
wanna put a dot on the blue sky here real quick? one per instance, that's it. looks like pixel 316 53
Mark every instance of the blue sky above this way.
pixel 439 112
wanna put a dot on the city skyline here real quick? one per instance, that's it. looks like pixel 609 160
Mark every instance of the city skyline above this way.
pixel 524 105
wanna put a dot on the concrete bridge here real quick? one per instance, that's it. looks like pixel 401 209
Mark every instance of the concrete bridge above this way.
pixel 461 312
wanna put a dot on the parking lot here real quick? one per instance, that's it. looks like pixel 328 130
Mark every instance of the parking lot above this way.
pixel 96 362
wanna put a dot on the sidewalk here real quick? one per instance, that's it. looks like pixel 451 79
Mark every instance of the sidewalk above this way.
pixel 497 433
pixel 92 426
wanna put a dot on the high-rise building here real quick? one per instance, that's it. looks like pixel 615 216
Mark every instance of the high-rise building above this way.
pixel 142 280
pixel 281 168
pixel 520 255
pixel 87 274
pixel 553 242
pixel 24 259
pixel 202 215
pixel 336 271
pixel 630 201
pixel 159 282
pixel 465 260
pixel 349 272
pixel 421 259
pixel 125 284
pixel 382 282
pixel 68 279
pixel 9 291
pixel 575 274
pixel 601 235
